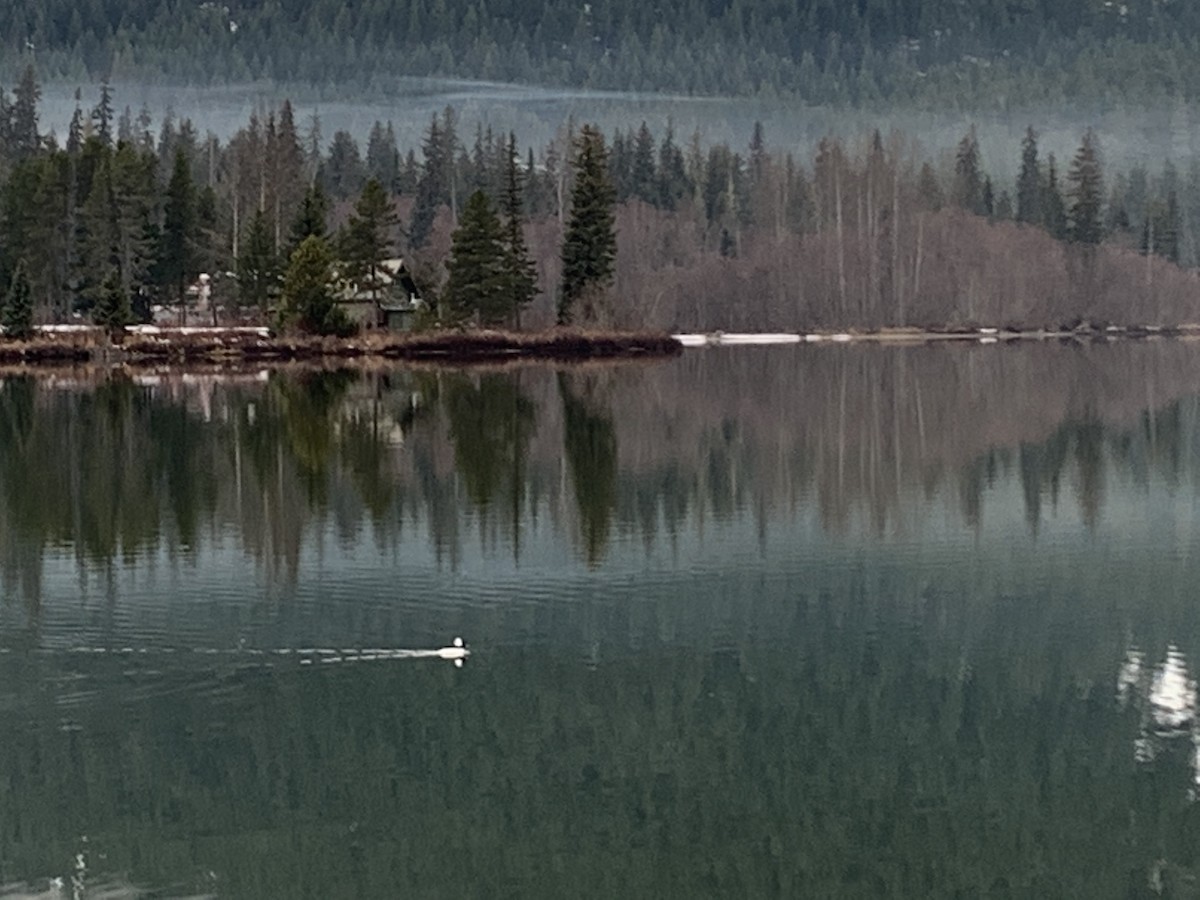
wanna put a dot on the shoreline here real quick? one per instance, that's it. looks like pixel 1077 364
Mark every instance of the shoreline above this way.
pixel 151 346
pixel 981 335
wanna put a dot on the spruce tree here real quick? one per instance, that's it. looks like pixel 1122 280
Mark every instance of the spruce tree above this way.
pixel 176 256
pixel 434 185
pixel 519 271
pixel 23 125
pixel 642 175
pixel 1054 210
pixel 1087 193
pixel 257 266
pixel 311 218
pixel 18 306
pixel 308 299
pixel 102 115
pixel 367 239
pixel 590 245
pixel 1029 182
pixel 476 288
pixel 929 189
pixel 968 175
pixel 112 310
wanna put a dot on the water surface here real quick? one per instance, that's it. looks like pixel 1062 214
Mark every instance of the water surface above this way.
pixel 781 621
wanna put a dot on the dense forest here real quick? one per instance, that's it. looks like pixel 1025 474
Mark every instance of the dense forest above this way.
pixel 126 214
pixel 998 52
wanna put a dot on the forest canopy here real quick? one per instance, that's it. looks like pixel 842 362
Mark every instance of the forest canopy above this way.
pixel 990 52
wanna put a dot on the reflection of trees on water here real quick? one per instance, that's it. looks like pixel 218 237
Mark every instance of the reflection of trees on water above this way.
pixel 877 440
pixel 590 449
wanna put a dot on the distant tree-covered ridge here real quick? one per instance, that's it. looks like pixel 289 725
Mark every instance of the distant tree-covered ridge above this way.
pixel 631 228
pixel 819 50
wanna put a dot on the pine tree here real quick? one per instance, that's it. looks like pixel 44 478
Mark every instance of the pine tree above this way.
pixel 18 306
pixel 177 255
pixel 1029 182
pixel 590 245
pixel 433 187
pixel 929 189
pixel 257 265
pixel 102 115
pixel 1087 193
pixel 642 175
pixel 476 288
pixel 968 175
pixel 24 137
pixel 367 239
pixel 1054 210
pixel 672 172
pixel 308 299
pixel 519 271
pixel 112 309
pixel 311 218
pixel 344 169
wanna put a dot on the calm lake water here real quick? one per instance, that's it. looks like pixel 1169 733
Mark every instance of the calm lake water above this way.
pixel 792 621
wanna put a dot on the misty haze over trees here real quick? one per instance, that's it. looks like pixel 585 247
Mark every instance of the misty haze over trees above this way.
pixel 991 53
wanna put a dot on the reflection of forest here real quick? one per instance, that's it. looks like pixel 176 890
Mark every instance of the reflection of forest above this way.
pixel 867 437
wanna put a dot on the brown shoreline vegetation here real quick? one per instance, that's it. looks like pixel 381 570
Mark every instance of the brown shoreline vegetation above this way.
pixel 233 347
pixel 227 348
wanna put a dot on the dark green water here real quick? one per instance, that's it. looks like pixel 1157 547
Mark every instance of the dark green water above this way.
pixel 793 622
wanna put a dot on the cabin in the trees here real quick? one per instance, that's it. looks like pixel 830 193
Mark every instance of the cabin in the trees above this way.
pixel 392 302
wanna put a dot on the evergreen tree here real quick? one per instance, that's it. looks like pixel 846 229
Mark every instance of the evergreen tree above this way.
pixel 311 218
pixel 383 159
pixel 433 187
pixel 519 271
pixel 1054 210
pixel 102 115
pixel 367 239
pixel 1087 193
pixel 308 299
pixel 1029 182
pixel 968 175
pixel 24 138
pixel 344 170
pixel 257 265
pixel 112 309
pixel 929 189
pixel 643 184
pixel 590 243
pixel 75 129
pixel 176 262
pixel 673 185
pixel 18 306
pixel 477 288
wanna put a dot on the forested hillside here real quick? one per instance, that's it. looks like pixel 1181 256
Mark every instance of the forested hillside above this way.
pixel 938 51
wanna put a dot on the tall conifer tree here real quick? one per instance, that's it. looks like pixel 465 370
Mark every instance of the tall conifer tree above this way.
pixel 476 288
pixel 590 245
pixel 1029 182
pixel 18 305
pixel 519 271
pixel 1087 193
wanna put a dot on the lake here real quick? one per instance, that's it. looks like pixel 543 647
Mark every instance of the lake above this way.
pixel 815 621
